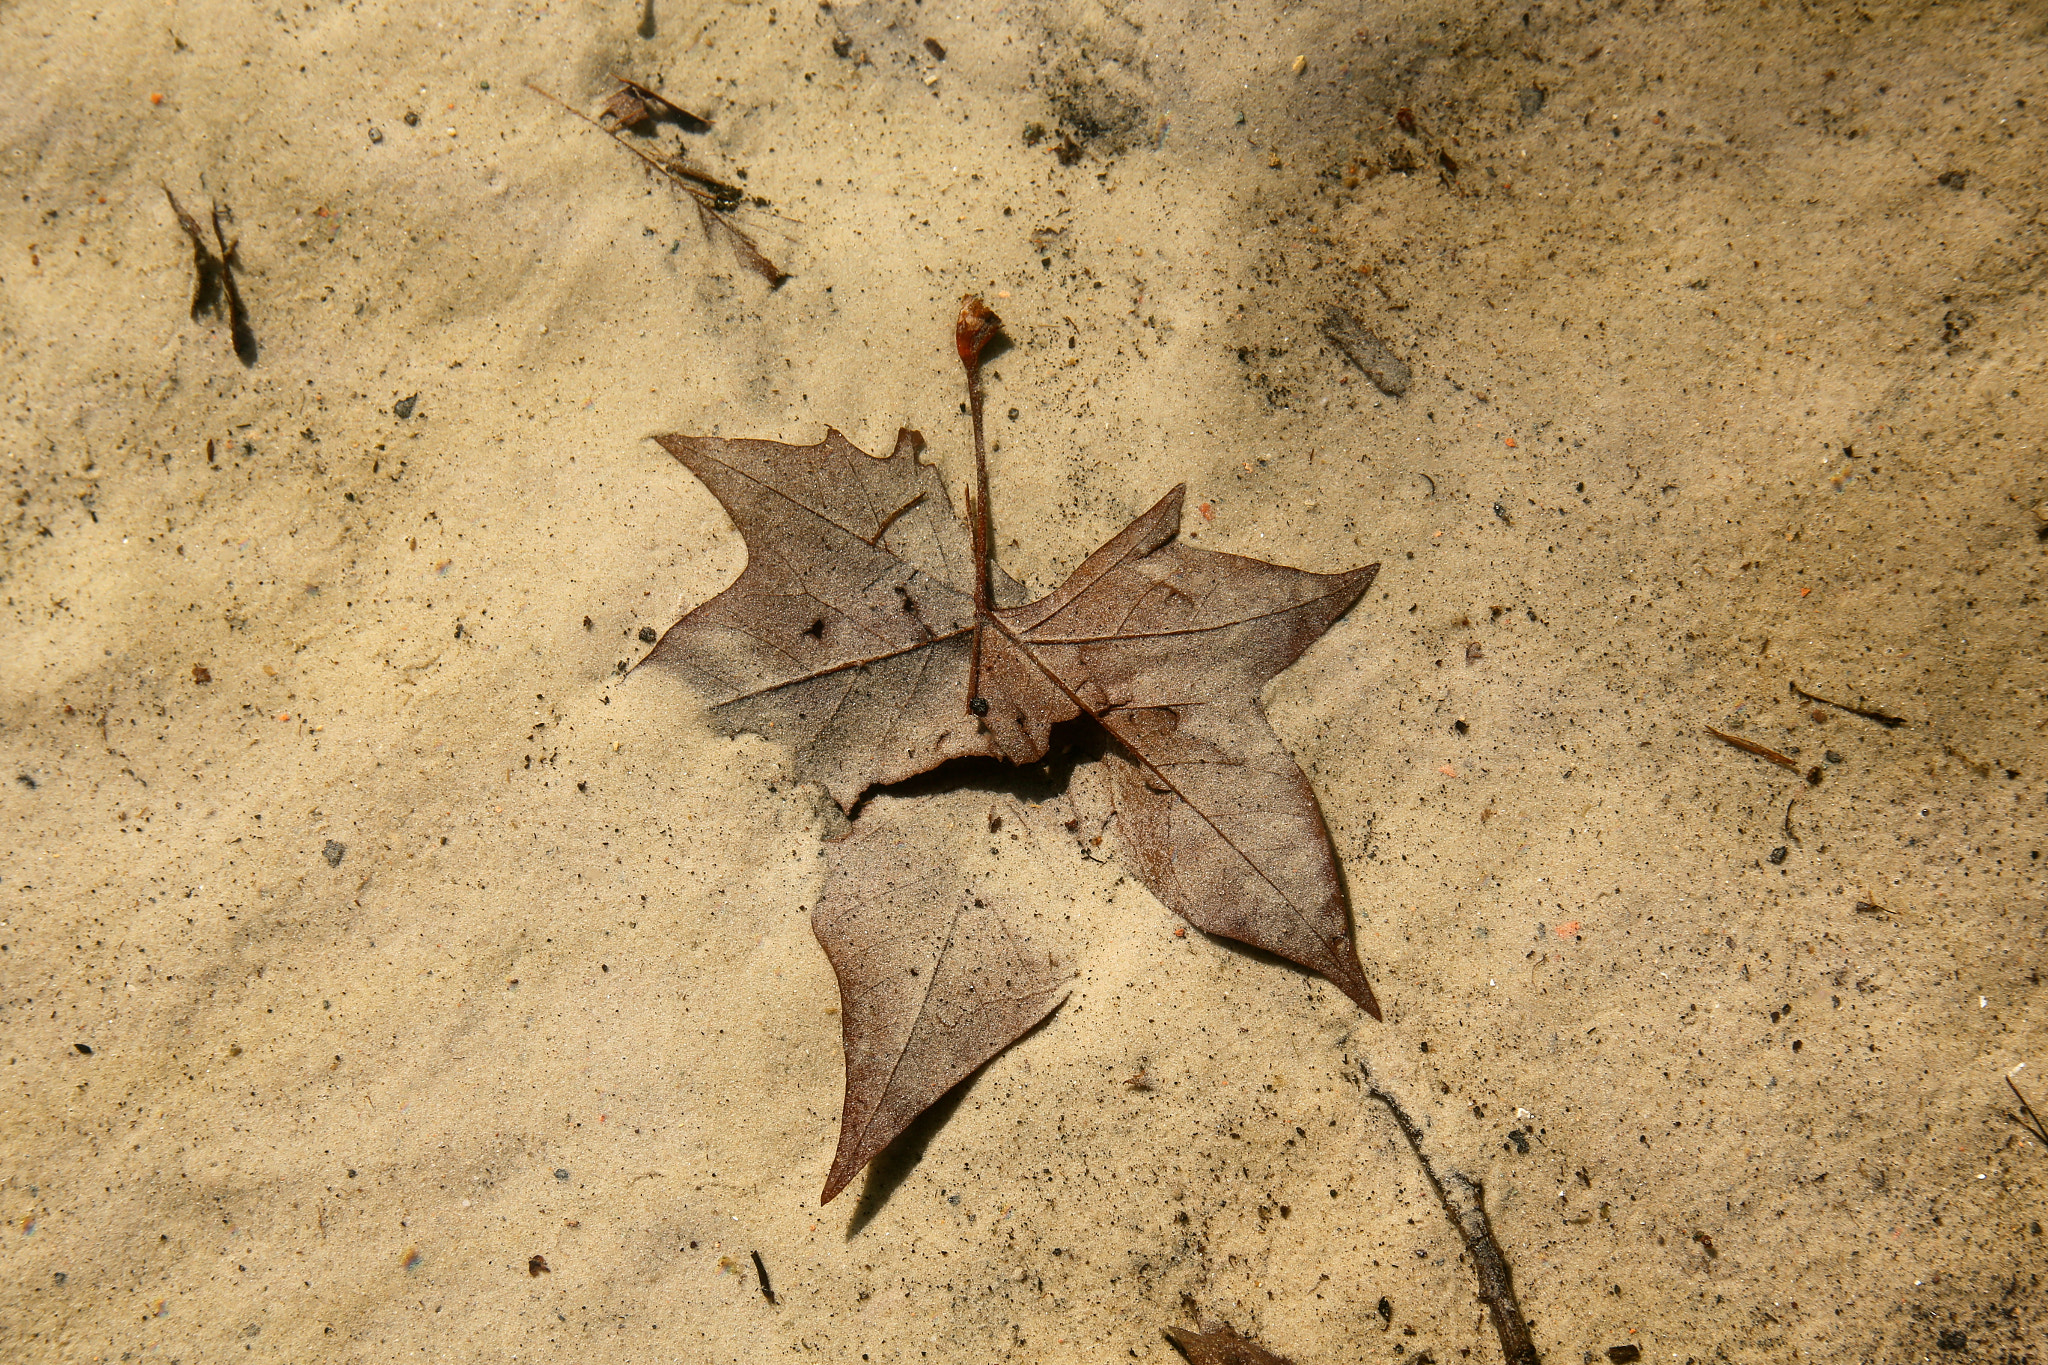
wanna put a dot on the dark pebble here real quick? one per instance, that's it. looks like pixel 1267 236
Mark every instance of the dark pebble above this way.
pixel 561 1172
pixel 376 135
pixel 1621 1355
pixel 402 409
pixel 83 1049
pixel 1779 854
pixel 647 635
pixel 332 853
pixel 412 120
pixel 1832 757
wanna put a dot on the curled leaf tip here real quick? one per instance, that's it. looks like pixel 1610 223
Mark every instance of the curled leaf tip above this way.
pixel 977 327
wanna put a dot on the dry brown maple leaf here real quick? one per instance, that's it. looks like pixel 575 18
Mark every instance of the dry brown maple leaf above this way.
pixel 1221 1345
pixel 872 633
pixel 940 964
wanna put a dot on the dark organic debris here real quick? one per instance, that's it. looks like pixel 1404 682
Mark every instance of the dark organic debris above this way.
pixel 761 1271
pixel 333 853
pixel 1363 348
pixel 214 277
pixel 635 106
pixel 536 1266
pixel 1221 1345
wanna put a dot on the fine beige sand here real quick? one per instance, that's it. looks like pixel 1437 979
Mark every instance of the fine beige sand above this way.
pixel 366 936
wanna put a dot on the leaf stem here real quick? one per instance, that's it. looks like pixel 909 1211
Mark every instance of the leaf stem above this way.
pixel 971 334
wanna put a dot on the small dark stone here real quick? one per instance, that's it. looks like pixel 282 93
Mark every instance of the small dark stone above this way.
pixel 979 706
pixel 83 1049
pixel 1387 1310
pixel 561 1172
pixel 588 624
pixel 1621 1355
pixel 412 120
pixel 1953 180
pixel 332 853
pixel 376 135
pixel 60 1277
pixel 402 409
pixel 1832 757
pixel 937 49
pixel 647 635
pixel 1779 854
pixel 1952 1340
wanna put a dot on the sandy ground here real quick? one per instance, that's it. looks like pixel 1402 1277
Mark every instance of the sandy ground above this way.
pixel 418 942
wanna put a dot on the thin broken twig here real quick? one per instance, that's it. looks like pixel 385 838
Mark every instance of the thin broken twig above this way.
pixel 205 265
pixel 238 313
pixel 711 195
pixel 1464 1203
pixel 2035 1126
pixel 1750 746
pixel 1888 722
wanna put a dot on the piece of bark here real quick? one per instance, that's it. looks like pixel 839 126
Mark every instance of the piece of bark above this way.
pixel 1363 348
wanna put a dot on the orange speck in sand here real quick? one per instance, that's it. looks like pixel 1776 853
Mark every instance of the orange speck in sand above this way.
pixel 1567 929
pixel 1208 512
pixel 155 97
pixel 1511 443
pixel 1806 592
pixel 1448 771
pixel 1180 933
